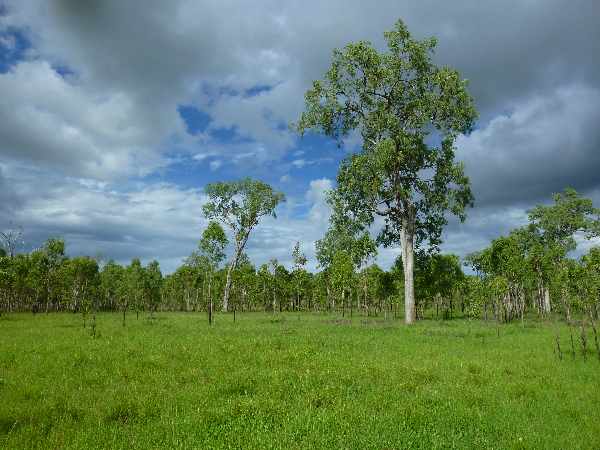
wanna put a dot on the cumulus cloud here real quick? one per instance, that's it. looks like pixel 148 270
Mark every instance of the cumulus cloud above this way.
pixel 159 221
pixel 47 120
pixel 543 145
pixel 155 221
pixel 92 132
pixel 192 54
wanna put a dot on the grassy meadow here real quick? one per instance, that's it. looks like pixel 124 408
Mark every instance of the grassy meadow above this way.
pixel 291 381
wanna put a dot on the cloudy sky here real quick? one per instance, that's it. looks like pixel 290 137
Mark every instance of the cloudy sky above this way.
pixel 114 114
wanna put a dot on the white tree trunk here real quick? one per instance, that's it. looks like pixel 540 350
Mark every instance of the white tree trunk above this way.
pixel 547 306
pixel 408 261
pixel 236 256
pixel 228 281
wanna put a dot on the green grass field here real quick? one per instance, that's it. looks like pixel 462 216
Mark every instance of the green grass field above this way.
pixel 290 381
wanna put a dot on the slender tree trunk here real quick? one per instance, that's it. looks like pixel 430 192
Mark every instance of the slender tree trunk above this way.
pixel 238 251
pixel 228 285
pixel 407 242
pixel 210 300
pixel 547 305
pixel 593 323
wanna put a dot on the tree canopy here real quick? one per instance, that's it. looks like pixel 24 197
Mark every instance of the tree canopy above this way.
pixel 240 205
pixel 408 112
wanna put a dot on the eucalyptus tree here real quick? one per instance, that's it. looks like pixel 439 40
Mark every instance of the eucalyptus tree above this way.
pixel 19 267
pixel 408 112
pixel 37 278
pixel 320 290
pixel 591 284
pixel 299 273
pixel 507 273
pixel 134 285
pixel 536 264
pixel 174 289
pixel 342 275
pixel 273 264
pixel 264 280
pixel 83 279
pixel 345 234
pixel 281 284
pixel 54 251
pixel 557 225
pixel 244 283
pixel 6 283
pixel 152 286
pixel 372 292
pixel 591 262
pixel 111 280
pixel 212 246
pixel 240 205
pixel 438 278
pixel 475 295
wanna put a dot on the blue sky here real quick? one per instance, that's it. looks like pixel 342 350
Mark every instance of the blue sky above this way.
pixel 114 117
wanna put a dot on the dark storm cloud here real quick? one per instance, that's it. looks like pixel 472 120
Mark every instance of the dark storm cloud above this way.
pixel 544 145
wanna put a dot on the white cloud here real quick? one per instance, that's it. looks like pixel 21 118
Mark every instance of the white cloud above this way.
pixel 53 121
pixel 299 163
pixel 156 221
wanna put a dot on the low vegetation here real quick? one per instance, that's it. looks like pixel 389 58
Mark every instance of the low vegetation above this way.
pixel 291 380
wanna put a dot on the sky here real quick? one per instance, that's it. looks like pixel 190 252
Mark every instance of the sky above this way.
pixel 114 115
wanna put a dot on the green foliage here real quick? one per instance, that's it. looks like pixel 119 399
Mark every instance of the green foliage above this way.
pixel 338 237
pixel 213 243
pixel 532 262
pixel 395 100
pixel 342 271
pixel 241 204
pixel 399 101
pixel 152 285
pixel 569 214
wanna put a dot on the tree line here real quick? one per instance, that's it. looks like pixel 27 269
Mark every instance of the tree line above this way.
pixel 528 272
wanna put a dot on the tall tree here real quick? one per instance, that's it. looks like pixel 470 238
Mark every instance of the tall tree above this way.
pixel 152 285
pixel 54 250
pixel 134 282
pixel 402 104
pixel 342 273
pixel 299 272
pixel 212 247
pixel 111 281
pixel 240 205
